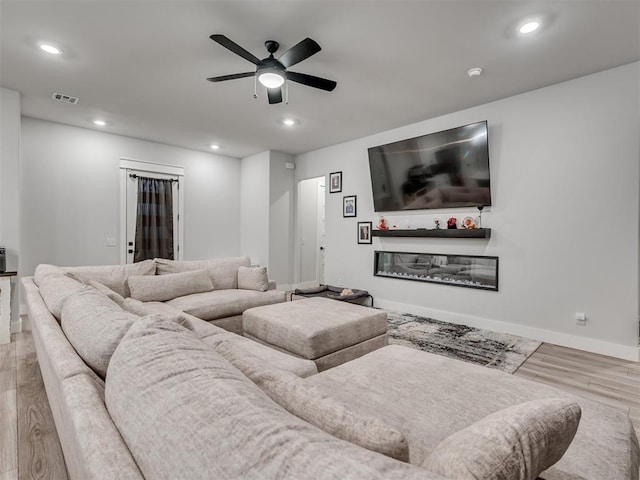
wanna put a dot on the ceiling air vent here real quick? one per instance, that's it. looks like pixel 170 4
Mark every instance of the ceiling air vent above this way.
pixel 65 98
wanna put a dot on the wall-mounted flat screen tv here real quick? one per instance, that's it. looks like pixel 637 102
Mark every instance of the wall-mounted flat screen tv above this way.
pixel 440 170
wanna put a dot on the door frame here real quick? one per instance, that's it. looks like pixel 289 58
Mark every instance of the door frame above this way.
pixel 152 168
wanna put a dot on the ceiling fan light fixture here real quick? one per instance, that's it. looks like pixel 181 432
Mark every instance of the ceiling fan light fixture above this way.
pixel 271 79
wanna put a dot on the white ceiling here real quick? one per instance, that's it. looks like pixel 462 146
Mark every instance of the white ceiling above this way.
pixel 141 65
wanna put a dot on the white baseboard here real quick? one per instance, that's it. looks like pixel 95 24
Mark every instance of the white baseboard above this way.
pixel 625 352
pixel 16 327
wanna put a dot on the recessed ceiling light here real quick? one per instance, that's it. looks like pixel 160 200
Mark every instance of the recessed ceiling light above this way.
pixel 215 147
pixel 474 72
pixel 289 122
pixel 100 123
pixel 47 47
pixel 529 27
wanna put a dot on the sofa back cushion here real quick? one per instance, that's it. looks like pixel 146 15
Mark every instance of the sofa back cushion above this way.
pixel 44 270
pixel 55 289
pixel 113 295
pixel 163 379
pixel 310 404
pixel 253 278
pixel 113 276
pixel 159 288
pixel 223 271
pixel 94 325
pixel 517 443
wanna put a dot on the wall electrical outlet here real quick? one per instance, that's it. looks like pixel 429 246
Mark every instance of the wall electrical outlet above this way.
pixel 581 318
pixel 111 242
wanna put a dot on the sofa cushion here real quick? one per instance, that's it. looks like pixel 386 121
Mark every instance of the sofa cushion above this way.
pixel 185 412
pixel 223 271
pixel 225 303
pixel 94 325
pixel 311 405
pixel 113 276
pixel 253 278
pixel 267 355
pixel 202 328
pixel 516 443
pixel 43 270
pixel 55 289
pixel 113 295
pixel 159 288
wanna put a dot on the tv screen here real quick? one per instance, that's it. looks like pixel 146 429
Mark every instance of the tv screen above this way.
pixel 440 170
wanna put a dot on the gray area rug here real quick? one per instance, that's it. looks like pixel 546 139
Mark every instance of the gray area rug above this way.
pixel 482 347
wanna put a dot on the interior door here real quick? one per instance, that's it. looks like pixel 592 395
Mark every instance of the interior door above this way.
pixel 311 229
pixel 132 209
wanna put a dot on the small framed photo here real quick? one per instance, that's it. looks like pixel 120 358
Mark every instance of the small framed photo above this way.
pixel 335 182
pixel 349 206
pixel 364 232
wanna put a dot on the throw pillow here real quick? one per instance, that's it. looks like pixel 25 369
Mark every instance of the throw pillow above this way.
pixel 223 271
pixel 115 296
pixel 517 443
pixel 159 288
pixel 311 405
pixel 253 278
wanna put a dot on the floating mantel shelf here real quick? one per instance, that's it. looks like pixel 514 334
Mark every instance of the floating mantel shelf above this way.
pixel 442 233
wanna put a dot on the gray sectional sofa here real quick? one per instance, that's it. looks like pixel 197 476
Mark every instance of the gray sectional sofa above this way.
pixel 146 389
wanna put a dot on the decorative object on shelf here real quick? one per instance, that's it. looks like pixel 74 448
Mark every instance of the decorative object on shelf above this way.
pixel 480 208
pixel 471 271
pixel 437 223
pixel 468 223
pixel 349 206
pixel 364 232
pixel 452 223
pixel 434 232
pixel 335 182
pixel 383 225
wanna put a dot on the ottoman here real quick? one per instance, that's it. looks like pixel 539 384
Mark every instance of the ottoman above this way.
pixel 326 331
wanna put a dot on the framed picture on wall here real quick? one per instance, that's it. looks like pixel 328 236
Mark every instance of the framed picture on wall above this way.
pixel 349 206
pixel 335 182
pixel 364 232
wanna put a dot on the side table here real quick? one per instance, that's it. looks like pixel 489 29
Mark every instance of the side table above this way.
pixel 5 306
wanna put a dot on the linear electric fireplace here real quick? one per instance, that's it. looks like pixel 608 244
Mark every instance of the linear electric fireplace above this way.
pixel 470 271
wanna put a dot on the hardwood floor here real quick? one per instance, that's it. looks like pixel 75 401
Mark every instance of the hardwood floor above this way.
pixel 608 380
pixel 29 446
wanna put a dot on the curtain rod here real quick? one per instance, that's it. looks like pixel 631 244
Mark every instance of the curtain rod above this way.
pixel 133 175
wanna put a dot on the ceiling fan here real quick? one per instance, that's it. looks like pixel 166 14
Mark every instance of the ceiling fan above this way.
pixel 272 72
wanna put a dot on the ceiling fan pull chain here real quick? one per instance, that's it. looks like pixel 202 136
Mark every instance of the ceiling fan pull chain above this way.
pixel 286 92
pixel 255 87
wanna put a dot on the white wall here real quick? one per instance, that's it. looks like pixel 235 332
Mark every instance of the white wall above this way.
pixel 565 191
pixel 267 213
pixel 10 190
pixel 254 208
pixel 70 195
pixel 281 196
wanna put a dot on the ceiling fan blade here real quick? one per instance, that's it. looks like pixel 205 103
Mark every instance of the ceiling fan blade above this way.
pixel 233 76
pixel 311 81
pixel 235 48
pixel 275 95
pixel 299 52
